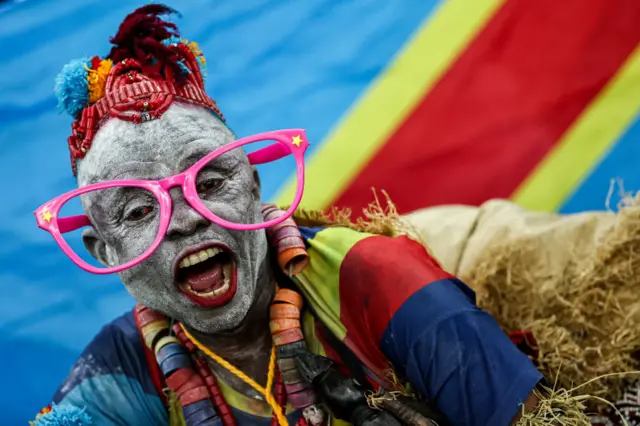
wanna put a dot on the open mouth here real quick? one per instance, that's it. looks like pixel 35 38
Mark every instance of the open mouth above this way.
pixel 207 275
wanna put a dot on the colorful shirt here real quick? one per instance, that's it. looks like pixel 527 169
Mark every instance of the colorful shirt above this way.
pixel 385 298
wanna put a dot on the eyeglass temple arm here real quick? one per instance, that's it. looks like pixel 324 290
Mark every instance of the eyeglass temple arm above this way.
pixel 269 153
pixel 71 223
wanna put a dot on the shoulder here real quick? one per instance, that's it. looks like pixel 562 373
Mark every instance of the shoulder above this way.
pixel 356 281
pixel 112 373
pixel 116 350
pixel 359 256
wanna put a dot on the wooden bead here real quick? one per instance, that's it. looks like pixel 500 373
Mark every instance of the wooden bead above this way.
pixel 288 336
pixel 302 399
pixel 282 311
pixel 169 350
pixel 165 341
pixel 175 362
pixel 295 387
pixel 192 383
pixel 198 417
pixel 291 349
pixel 293 260
pixel 285 295
pixel 193 395
pixel 196 406
pixel 291 376
pixel 286 364
pixel 152 330
pixel 283 324
pixel 179 378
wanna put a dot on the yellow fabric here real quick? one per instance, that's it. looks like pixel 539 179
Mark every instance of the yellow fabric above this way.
pixel 320 280
pixel 264 391
pixel 572 158
pixel 175 410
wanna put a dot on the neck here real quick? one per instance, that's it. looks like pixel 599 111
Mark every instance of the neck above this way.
pixel 248 346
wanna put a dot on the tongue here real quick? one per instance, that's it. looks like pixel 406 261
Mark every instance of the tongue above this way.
pixel 205 276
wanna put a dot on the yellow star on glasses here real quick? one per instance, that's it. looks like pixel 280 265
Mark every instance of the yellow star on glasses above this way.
pixel 297 140
pixel 46 215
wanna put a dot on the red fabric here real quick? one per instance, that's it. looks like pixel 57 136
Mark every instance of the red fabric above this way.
pixel 526 342
pixel 502 105
pixel 377 276
pixel 154 369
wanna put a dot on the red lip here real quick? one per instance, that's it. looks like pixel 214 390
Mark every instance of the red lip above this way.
pixel 208 302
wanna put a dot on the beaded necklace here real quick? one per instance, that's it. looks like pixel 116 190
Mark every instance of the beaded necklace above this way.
pixel 197 389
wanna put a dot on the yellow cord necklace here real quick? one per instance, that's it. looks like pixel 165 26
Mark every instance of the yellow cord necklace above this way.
pixel 264 391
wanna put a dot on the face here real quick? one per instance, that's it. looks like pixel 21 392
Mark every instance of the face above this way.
pixel 202 274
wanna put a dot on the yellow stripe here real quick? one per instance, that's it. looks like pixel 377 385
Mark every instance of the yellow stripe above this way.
pixel 320 280
pixel 389 99
pixel 585 143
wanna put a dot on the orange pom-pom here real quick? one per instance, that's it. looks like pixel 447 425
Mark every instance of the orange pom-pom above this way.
pixel 97 79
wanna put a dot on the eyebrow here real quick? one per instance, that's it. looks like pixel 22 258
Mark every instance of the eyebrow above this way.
pixel 197 153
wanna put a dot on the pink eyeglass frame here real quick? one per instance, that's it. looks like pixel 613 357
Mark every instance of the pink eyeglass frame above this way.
pixel 287 142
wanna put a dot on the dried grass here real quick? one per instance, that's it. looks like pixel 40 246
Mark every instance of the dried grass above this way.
pixel 587 324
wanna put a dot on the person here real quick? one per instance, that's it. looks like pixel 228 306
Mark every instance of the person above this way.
pixel 230 289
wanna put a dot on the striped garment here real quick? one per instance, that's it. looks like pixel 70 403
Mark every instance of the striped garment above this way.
pixel 385 298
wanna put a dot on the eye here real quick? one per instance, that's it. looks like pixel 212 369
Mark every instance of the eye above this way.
pixel 138 213
pixel 209 185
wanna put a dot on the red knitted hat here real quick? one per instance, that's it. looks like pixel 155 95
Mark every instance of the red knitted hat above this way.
pixel 148 68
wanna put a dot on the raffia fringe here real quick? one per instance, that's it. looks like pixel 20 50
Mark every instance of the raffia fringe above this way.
pixel 381 218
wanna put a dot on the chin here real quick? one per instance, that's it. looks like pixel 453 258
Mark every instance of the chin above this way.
pixel 221 318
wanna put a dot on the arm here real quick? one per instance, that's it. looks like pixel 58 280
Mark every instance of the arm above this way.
pixel 427 324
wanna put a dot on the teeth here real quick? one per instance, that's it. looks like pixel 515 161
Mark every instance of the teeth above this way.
pixel 198 257
pixel 212 293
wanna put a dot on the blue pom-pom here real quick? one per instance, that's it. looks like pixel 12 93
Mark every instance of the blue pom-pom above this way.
pixel 175 40
pixel 64 415
pixel 171 40
pixel 72 87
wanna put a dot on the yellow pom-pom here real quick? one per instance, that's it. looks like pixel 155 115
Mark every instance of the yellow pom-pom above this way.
pixel 97 80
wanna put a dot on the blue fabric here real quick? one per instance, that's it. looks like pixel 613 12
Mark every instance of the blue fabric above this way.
pixel 457 355
pixel 112 383
pixel 117 349
pixel 309 234
pixel 111 380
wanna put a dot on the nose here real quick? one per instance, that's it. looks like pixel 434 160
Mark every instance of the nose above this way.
pixel 184 219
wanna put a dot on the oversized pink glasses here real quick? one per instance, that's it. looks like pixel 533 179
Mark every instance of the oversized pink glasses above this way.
pixel 284 143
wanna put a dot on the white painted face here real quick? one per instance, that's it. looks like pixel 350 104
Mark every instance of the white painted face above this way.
pixel 154 150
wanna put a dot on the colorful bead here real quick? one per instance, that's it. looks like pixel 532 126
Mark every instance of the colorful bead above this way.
pixel 291 349
pixel 176 380
pixel 199 417
pixel 193 395
pixel 174 362
pixel 187 410
pixel 287 296
pixel 281 310
pixel 166 340
pixel 291 252
pixel 168 350
pixel 282 324
pixel 288 336
pixel 302 399
pixel 147 316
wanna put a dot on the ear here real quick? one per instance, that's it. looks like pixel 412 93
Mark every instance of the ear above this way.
pixel 95 245
pixel 256 189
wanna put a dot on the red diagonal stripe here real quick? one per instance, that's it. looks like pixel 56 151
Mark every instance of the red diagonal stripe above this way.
pixel 503 104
